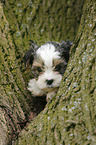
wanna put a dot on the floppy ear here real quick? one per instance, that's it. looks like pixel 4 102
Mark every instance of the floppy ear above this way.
pixel 65 48
pixel 29 56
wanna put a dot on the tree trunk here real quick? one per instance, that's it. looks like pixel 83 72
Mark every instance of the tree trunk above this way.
pixel 63 120
pixel 70 117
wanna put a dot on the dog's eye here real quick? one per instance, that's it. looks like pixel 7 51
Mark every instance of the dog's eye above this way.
pixel 39 69
pixel 58 67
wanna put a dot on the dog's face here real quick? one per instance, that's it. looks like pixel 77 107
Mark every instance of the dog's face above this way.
pixel 49 67
pixel 49 64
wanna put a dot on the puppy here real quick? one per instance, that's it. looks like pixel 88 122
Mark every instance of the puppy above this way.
pixel 49 62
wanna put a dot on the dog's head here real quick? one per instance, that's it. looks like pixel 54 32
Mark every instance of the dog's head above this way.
pixel 49 62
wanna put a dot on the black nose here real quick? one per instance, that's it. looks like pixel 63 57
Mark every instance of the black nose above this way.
pixel 49 82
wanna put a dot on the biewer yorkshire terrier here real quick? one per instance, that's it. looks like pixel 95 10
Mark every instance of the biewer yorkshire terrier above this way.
pixel 49 62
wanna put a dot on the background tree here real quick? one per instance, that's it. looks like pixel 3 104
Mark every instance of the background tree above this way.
pixel 70 116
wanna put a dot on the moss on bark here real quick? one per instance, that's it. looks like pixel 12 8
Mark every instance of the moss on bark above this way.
pixel 63 121
pixel 43 20
pixel 70 117
pixel 11 94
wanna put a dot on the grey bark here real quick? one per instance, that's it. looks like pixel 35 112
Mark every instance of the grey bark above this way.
pixel 70 117
pixel 64 118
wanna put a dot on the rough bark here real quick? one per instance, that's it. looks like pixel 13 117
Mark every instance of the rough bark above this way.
pixel 11 111
pixel 70 117
pixel 43 20
pixel 57 124
pixel 16 104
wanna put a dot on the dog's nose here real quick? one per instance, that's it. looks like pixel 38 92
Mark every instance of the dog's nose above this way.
pixel 49 82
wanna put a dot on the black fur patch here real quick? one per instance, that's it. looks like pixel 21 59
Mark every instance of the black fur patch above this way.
pixel 63 48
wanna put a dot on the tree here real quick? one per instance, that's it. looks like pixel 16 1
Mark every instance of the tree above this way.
pixel 70 116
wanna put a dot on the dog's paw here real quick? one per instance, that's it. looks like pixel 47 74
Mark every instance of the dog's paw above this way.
pixel 50 95
pixel 33 88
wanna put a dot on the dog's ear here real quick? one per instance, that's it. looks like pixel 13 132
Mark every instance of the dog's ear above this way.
pixel 65 48
pixel 29 56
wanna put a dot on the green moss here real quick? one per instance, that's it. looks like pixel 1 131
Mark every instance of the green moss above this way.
pixel 69 118
pixel 43 21
pixel 12 87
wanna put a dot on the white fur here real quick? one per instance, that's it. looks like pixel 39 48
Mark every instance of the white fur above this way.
pixel 48 53
pixel 51 94
pixel 33 87
pixel 39 87
pixel 49 74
